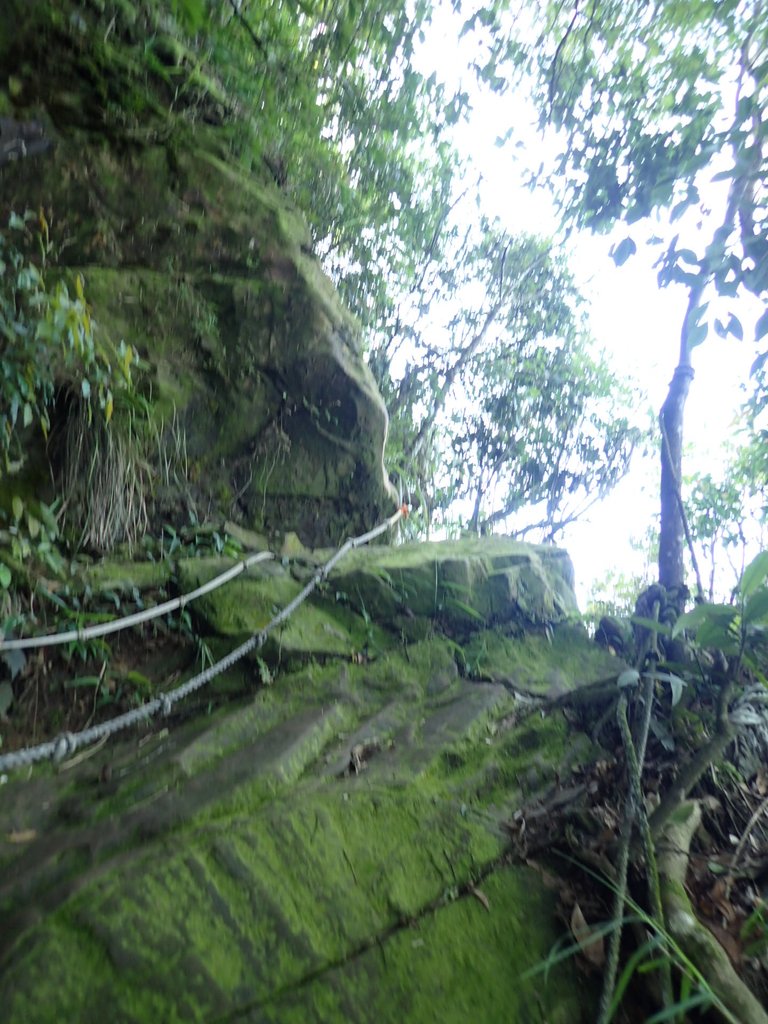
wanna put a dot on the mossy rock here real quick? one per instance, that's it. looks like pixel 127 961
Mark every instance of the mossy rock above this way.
pixel 285 915
pixel 465 584
pixel 549 663
pixel 247 604
pixel 263 408
pixel 330 846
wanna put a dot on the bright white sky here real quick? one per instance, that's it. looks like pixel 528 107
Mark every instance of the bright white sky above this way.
pixel 634 320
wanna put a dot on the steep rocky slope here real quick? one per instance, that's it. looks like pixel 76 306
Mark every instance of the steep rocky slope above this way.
pixel 262 408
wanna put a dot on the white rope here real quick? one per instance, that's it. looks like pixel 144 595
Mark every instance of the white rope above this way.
pixel 65 745
pixel 104 628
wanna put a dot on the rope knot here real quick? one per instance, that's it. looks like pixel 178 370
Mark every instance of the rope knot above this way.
pixel 65 746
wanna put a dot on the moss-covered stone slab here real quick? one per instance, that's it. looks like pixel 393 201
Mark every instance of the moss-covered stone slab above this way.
pixel 128 575
pixel 487 950
pixel 280 753
pixel 310 851
pixel 247 604
pixel 249 909
pixel 548 663
pixel 464 583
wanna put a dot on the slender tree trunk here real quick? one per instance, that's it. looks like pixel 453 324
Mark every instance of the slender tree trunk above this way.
pixel 474 523
pixel 672 532
pixel 672 536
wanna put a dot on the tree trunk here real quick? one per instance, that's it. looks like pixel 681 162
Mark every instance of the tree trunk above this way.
pixel 672 536
pixel 672 532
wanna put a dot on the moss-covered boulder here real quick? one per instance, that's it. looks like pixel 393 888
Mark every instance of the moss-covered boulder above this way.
pixel 264 410
pixel 325 838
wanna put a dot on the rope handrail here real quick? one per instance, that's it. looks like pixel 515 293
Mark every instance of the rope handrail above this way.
pixel 67 743
pixel 115 625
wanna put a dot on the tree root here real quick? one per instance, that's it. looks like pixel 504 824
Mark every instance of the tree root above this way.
pixel 693 938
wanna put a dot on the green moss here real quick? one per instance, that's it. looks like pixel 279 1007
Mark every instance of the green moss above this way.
pixel 464 584
pixel 493 768
pixel 247 604
pixel 114 575
pixel 80 966
pixel 248 861
pixel 548 664
pixel 200 267
pixel 438 969
pixel 278 895
pixel 257 934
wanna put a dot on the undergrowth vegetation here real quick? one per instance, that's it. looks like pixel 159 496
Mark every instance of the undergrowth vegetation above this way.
pixel 49 340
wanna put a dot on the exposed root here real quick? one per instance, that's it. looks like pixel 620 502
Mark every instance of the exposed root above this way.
pixel 696 942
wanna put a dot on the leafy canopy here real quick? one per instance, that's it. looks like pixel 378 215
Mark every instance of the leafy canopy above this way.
pixel 646 98
pixel 494 395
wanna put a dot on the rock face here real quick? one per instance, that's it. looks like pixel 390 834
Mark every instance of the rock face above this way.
pixel 264 410
pixel 327 843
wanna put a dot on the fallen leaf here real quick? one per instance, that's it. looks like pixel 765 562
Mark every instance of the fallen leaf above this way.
pixel 718 895
pixel 730 944
pixel 481 898
pixel 593 948
pixel 22 835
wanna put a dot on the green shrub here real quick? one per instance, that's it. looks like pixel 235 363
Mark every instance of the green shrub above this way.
pixel 47 341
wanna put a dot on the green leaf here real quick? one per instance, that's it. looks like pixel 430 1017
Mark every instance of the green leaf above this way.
pixel 734 327
pixel 15 660
pixel 48 517
pixel 466 609
pixel 140 681
pixel 630 968
pixel 629 677
pixel 676 684
pixel 677 1011
pixel 720 636
pixel 756 608
pixel 663 628
pixel 5 576
pixel 678 210
pixel 82 681
pixel 623 251
pixel 688 256
pixel 697 334
pixel 704 614
pixel 28 414
pixel 754 575
pixel 17 507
